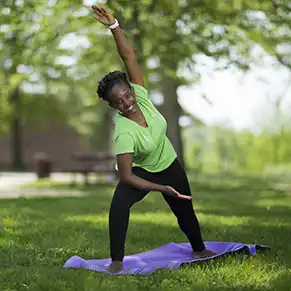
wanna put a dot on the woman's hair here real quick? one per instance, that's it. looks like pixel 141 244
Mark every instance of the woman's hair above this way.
pixel 110 80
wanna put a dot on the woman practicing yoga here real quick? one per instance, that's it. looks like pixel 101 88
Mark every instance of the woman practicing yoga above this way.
pixel 146 159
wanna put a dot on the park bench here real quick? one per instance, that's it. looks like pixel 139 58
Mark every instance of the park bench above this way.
pixel 94 163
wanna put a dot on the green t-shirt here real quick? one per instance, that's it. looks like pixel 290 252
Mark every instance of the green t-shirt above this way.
pixel 150 146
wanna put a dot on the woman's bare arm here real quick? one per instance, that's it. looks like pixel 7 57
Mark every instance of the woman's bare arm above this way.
pixel 124 163
pixel 124 47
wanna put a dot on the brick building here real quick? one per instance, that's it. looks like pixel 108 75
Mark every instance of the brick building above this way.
pixel 57 141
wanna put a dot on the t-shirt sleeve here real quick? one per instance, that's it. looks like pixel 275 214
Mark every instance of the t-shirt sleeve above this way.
pixel 124 143
pixel 141 92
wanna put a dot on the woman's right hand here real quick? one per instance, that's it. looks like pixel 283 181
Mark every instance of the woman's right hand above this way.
pixel 102 15
pixel 172 192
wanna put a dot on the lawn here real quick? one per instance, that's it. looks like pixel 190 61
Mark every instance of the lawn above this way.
pixel 38 234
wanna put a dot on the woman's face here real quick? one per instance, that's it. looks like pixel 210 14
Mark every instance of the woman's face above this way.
pixel 123 99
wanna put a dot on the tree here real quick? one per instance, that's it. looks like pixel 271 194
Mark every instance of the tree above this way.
pixel 167 37
pixel 172 34
pixel 28 36
pixel 272 29
pixel 43 78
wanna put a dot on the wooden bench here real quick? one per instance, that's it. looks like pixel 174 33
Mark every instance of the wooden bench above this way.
pixel 94 163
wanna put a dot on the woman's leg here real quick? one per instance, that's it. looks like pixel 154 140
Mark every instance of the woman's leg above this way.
pixel 175 177
pixel 124 197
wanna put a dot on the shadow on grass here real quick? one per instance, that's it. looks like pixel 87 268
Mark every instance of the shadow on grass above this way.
pixel 244 203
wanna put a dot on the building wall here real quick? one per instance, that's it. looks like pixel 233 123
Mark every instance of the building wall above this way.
pixel 57 141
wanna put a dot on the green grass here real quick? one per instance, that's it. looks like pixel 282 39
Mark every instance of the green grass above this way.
pixel 38 235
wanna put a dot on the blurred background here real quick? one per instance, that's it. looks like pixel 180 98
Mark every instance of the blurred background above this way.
pixel 219 71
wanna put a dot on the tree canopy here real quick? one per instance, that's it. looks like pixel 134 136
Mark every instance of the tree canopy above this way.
pixel 53 53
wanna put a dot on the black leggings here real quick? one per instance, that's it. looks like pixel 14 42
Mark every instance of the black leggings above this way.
pixel 125 196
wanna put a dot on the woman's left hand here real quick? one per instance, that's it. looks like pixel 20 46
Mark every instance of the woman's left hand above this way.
pixel 172 192
pixel 102 15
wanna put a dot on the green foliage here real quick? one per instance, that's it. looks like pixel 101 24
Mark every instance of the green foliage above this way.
pixel 227 151
pixel 36 38
pixel 55 55
pixel 273 30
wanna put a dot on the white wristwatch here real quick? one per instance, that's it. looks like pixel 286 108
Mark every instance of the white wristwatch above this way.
pixel 114 25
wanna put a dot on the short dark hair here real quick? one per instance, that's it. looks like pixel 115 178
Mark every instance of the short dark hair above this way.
pixel 109 80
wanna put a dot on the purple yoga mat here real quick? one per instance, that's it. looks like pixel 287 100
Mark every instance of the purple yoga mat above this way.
pixel 171 255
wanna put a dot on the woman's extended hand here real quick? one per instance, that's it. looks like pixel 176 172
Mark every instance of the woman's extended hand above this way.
pixel 102 15
pixel 172 192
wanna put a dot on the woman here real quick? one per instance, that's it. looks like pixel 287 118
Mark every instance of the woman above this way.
pixel 145 157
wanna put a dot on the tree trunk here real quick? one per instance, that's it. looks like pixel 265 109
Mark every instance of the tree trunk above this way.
pixel 172 111
pixel 107 130
pixel 16 131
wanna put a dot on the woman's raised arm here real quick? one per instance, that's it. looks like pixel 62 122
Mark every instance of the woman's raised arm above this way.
pixel 124 47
